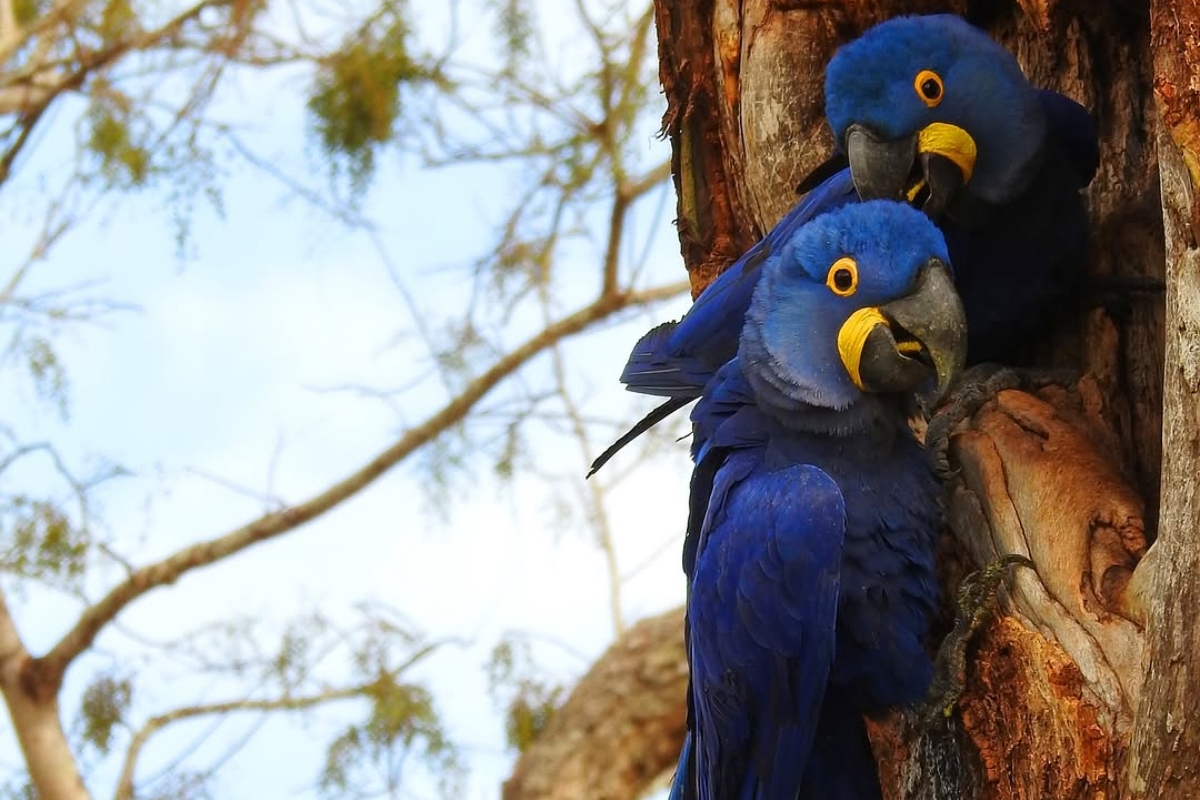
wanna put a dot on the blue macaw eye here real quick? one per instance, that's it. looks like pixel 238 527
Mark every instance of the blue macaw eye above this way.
pixel 843 277
pixel 929 86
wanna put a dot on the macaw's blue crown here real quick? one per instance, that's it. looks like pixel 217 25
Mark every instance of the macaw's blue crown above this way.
pixel 889 241
pixel 877 81
pixel 847 262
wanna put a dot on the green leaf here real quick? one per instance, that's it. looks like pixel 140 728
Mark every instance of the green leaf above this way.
pixel 531 701
pixel 42 543
pixel 515 28
pixel 26 11
pixel 123 161
pixel 355 99
pixel 49 377
pixel 105 703
pixel 117 19
pixel 403 719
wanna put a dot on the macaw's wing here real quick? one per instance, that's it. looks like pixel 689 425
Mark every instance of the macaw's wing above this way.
pixel 841 764
pixel 726 419
pixel 683 785
pixel 1074 132
pixel 677 359
pixel 762 611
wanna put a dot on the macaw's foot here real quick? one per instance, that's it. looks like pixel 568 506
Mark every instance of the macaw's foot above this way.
pixel 976 595
pixel 974 388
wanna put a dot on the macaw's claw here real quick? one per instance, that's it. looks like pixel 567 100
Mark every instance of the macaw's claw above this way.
pixel 975 599
pixel 974 388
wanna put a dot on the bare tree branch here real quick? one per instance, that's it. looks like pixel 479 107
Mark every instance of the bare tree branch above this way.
pixel 637 187
pixel 51 667
pixel 9 30
pixel 594 493
pixel 153 725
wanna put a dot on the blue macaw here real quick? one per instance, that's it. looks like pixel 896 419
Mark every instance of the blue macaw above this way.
pixel 813 510
pixel 930 110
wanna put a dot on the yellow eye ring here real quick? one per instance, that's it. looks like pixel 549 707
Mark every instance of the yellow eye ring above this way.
pixel 842 279
pixel 929 87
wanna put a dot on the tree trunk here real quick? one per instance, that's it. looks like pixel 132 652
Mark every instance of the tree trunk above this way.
pixel 1099 642
pixel 1165 758
pixel 33 708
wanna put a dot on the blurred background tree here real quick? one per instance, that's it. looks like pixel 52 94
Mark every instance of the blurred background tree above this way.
pixel 158 133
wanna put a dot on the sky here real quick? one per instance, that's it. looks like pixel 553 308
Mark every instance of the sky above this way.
pixel 224 371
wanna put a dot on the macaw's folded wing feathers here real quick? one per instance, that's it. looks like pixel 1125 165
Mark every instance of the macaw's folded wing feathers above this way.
pixel 762 613
pixel 839 750
pixel 822 172
pixel 653 369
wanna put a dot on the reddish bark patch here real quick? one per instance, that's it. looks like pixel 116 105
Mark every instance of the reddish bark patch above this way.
pixel 1036 730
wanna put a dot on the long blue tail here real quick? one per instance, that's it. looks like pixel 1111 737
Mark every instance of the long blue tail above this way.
pixel 841 764
pixel 683 785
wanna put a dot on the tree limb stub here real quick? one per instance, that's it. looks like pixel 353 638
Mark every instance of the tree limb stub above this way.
pixel 621 728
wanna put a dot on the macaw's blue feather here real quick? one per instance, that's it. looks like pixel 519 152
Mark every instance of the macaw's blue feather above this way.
pixel 1016 230
pixel 840 749
pixel 762 617
pixel 1074 134
pixel 809 549
pixel 683 784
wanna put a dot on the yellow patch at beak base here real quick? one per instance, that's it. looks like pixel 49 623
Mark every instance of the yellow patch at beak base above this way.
pixel 951 142
pixel 852 337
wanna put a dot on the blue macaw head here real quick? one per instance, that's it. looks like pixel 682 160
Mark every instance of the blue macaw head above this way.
pixel 859 301
pixel 925 105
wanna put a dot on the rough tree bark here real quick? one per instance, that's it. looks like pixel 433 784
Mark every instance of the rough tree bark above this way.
pixel 1165 758
pixel 1087 683
pixel 622 724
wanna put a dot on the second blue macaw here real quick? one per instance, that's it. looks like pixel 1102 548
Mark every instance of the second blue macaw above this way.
pixel 814 511
pixel 932 111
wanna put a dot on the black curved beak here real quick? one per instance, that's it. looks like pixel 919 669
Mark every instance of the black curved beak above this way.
pixel 881 170
pixel 925 168
pixel 922 335
pixel 942 179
